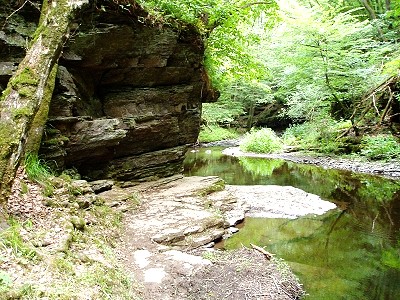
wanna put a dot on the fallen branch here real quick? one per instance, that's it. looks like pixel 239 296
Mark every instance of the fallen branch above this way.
pixel 374 95
pixel 263 251
pixel 387 105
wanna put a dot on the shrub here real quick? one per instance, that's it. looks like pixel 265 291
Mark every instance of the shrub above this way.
pixel 261 141
pixel 381 146
pixel 318 135
pixel 301 135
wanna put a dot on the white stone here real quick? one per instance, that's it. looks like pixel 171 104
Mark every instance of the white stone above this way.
pixel 187 258
pixel 141 258
pixel 272 201
pixel 155 275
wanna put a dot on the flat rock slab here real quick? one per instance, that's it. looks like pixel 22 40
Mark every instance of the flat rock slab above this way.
pixel 272 201
pixel 179 213
pixel 174 216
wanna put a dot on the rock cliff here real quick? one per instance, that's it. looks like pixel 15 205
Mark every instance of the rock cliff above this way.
pixel 128 94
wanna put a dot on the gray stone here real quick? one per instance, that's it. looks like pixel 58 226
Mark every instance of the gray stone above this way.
pixel 126 110
pixel 99 186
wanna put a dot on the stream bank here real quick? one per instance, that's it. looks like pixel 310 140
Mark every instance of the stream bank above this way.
pixel 158 251
pixel 339 253
pixel 390 169
pixel 163 241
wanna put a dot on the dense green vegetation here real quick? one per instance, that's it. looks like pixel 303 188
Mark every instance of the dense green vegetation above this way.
pixel 329 68
pixel 261 141
pixel 214 133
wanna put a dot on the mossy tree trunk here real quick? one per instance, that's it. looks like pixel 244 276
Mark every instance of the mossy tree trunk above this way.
pixel 24 103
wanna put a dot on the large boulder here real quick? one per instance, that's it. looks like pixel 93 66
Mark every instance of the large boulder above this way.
pixel 128 97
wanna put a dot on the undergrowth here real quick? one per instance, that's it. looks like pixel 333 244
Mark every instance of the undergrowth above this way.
pixel 261 141
pixel 380 147
pixel 39 172
pixel 78 263
pixel 11 239
pixel 319 136
pixel 212 133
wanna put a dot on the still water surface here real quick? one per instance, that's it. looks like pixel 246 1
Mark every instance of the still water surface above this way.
pixel 352 252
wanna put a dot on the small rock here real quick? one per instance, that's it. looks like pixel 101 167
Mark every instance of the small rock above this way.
pixel 99 186
pixel 82 202
pixel 65 203
pixel 83 257
pixel 155 275
pixel 209 245
pixel 78 222
pixel 233 230
pixel 51 203
pixel 141 258
pixel 65 242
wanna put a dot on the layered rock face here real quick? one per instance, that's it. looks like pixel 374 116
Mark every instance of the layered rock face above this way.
pixel 128 98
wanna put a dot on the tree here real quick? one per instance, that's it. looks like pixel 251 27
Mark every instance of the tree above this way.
pixel 231 29
pixel 24 103
pixel 323 61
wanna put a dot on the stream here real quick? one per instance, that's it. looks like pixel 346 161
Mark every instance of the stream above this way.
pixel 352 252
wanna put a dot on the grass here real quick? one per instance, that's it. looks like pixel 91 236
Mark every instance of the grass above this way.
pixel 39 172
pixel 213 133
pixel 86 269
pixel 11 238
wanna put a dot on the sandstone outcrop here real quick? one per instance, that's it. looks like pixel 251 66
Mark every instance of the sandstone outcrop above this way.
pixel 128 94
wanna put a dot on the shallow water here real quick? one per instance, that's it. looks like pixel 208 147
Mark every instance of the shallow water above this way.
pixel 352 252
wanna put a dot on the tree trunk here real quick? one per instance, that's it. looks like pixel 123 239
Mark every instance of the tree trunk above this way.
pixel 369 9
pixel 251 116
pixel 387 5
pixel 24 103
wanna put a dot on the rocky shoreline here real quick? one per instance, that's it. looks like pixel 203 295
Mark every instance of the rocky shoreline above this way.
pixel 390 169
pixel 166 243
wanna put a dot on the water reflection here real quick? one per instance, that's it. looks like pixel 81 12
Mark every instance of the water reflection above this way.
pixel 351 253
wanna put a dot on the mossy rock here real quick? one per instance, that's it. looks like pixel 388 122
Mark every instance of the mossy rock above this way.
pixel 78 222
pixel 215 187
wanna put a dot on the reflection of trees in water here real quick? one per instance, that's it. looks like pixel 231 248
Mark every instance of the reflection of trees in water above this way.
pixel 353 251
pixel 330 257
pixel 259 166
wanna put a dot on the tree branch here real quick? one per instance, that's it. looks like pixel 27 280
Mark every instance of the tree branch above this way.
pixel 254 3
pixel 17 10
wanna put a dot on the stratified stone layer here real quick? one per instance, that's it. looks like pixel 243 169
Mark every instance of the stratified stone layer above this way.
pixel 128 98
